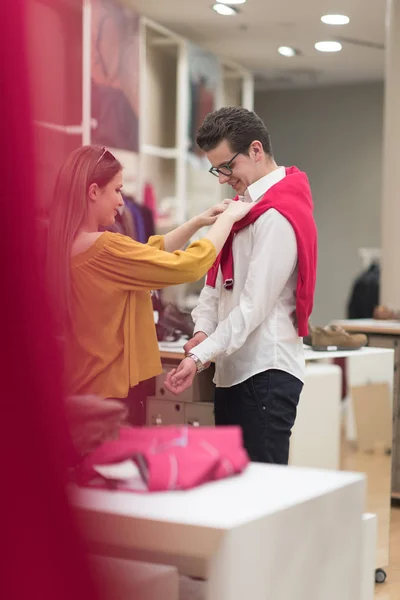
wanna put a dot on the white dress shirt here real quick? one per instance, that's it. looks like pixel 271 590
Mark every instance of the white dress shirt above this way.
pixel 251 328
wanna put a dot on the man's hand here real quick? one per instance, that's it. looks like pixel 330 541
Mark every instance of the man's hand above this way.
pixel 180 379
pixel 196 339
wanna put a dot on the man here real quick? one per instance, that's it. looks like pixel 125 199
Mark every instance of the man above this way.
pixel 254 309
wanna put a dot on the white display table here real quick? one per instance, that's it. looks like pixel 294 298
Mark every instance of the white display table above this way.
pixel 368 326
pixel 316 434
pixel 273 533
pixel 363 367
pixel 311 355
pixel 315 440
pixel 174 351
pixel 368 419
pixel 385 334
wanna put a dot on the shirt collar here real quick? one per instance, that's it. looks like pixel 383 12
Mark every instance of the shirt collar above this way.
pixel 257 189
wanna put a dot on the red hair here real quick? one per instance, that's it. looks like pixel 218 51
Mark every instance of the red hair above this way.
pixel 84 166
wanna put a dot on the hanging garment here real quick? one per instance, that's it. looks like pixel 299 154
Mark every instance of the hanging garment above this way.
pixel 128 223
pixel 149 199
pixel 364 296
pixel 138 220
pixel 123 224
pixel 117 122
pixel 148 221
pixel 116 227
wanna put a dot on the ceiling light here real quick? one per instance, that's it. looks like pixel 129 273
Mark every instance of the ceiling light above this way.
pixel 328 46
pixel 223 9
pixel 335 19
pixel 287 51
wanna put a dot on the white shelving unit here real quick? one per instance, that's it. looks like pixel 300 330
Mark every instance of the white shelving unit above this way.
pixel 183 187
pixel 164 116
pixel 163 105
pixel 181 181
pixel 237 86
pixel 237 89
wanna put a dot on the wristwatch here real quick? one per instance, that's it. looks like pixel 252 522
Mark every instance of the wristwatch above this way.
pixel 197 361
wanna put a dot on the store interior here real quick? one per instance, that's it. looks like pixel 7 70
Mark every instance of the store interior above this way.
pixel 138 77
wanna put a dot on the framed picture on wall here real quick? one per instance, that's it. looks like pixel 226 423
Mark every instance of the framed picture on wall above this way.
pixel 115 76
pixel 204 87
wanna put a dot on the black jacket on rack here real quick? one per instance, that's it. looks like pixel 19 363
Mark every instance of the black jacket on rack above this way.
pixel 136 221
pixel 364 295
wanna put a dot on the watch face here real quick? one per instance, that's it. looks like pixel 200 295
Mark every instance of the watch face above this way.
pixel 196 361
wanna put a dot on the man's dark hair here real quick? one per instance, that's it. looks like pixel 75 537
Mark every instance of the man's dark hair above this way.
pixel 238 126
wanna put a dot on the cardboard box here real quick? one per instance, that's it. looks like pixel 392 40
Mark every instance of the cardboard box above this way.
pixel 119 579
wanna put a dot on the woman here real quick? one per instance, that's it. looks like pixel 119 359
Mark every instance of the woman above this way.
pixel 101 282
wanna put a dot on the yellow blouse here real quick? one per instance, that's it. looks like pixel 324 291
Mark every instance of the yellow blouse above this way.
pixel 113 344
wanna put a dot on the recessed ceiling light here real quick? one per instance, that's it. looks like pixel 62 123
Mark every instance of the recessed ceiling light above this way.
pixel 328 46
pixel 224 9
pixel 232 1
pixel 335 19
pixel 287 51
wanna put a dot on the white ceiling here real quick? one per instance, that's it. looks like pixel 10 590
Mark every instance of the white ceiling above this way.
pixel 252 37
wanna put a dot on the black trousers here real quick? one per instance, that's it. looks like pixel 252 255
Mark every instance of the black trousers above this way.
pixel 265 407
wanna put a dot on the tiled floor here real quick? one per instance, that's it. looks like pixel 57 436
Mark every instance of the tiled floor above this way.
pixel 377 467
pixel 390 590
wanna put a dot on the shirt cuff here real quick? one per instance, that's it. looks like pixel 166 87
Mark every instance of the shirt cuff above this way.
pixel 204 325
pixel 206 351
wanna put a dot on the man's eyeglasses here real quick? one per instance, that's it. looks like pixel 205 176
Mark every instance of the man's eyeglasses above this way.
pixel 225 169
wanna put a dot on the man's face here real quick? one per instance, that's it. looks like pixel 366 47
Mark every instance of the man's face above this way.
pixel 243 167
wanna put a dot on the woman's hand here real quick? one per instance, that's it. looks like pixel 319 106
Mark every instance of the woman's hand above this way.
pixel 176 239
pixel 209 216
pixel 220 231
pixel 238 209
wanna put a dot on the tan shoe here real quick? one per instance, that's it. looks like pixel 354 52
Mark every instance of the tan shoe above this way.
pixel 333 338
pixel 382 313
pixel 307 340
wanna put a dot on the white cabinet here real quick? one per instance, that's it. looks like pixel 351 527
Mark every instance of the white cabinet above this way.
pixel 199 414
pixel 161 412
pixel 164 412
pixel 202 389
pixel 270 533
pixel 315 438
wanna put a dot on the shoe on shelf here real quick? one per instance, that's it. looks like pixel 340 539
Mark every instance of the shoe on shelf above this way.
pixel 173 324
pixel 383 313
pixel 334 338
pixel 307 340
